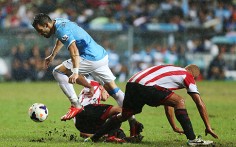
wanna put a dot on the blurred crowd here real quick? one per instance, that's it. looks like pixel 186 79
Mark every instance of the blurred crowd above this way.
pixel 218 15
pixel 27 64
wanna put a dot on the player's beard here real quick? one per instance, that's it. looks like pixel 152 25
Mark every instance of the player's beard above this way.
pixel 48 35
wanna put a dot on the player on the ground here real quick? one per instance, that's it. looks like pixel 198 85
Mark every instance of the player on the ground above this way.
pixel 95 114
pixel 154 86
pixel 86 57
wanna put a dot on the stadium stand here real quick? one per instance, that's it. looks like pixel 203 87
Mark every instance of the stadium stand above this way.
pixel 172 31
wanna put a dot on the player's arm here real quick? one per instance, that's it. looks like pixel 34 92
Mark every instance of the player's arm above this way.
pixel 76 77
pixel 169 111
pixel 203 112
pixel 75 59
pixel 55 50
pixel 82 81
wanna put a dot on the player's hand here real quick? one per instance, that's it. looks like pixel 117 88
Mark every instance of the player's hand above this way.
pixel 48 60
pixel 90 93
pixel 73 77
pixel 178 130
pixel 210 131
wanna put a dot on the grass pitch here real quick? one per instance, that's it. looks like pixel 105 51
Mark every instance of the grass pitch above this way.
pixel 17 130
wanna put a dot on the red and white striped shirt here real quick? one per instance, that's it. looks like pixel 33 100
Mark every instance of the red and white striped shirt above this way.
pixel 85 100
pixel 167 76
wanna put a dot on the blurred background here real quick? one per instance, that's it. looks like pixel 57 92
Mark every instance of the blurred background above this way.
pixel 136 33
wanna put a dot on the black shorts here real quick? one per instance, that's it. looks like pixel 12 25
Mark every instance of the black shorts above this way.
pixel 92 117
pixel 137 95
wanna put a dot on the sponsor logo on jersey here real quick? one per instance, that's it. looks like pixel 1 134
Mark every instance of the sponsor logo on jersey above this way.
pixel 65 38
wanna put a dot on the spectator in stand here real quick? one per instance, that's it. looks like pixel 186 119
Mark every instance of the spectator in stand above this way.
pixel 216 70
pixel 146 58
pixel 35 61
pixel 157 56
pixel 19 52
pixel 20 65
pixel 18 13
pixel 181 56
pixel 20 71
pixel 135 59
pixel 171 56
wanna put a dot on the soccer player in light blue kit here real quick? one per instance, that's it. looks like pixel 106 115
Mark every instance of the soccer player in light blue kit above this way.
pixel 86 57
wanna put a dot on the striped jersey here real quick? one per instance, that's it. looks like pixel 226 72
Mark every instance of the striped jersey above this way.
pixel 85 100
pixel 167 76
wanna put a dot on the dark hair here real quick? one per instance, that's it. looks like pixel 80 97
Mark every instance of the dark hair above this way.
pixel 41 19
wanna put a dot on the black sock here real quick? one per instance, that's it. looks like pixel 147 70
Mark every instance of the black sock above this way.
pixel 182 117
pixel 111 124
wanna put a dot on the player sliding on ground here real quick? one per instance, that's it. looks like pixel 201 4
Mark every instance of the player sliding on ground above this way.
pixel 94 115
pixel 154 87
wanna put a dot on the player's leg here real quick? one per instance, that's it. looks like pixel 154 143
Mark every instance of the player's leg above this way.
pixel 94 116
pixel 118 95
pixel 114 91
pixel 111 123
pixel 114 110
pixel 130 108
pixel 60 74
pixel 181 114
pixel 108 78
pixel 101 72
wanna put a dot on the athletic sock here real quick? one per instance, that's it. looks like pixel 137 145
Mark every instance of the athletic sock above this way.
pixel 182 117
pixel 111 124
pixel 66 87
pixel 118 95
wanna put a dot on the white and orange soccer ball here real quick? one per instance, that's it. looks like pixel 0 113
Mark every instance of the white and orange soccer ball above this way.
pixel 38 112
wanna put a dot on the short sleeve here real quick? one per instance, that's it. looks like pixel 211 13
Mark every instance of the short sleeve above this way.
pixel 65 36
pixel 190 84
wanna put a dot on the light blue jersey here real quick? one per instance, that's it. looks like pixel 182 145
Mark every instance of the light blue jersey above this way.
pixel 68 32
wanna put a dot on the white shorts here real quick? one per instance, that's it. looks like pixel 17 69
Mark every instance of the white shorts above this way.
pixel 98 69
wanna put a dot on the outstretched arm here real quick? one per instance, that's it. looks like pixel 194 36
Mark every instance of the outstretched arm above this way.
pixel 203 112
pixel 169 111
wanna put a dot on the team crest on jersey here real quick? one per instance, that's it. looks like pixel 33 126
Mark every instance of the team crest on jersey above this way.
pixel 65 38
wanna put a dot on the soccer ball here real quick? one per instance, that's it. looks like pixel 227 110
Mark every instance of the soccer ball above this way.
pixel 38 112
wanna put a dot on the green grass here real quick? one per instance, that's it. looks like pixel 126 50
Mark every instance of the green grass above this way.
pixel 17 130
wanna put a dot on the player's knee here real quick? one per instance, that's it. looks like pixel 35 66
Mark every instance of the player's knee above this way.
pixel 54 72
pixel 180 103
pixel 110 86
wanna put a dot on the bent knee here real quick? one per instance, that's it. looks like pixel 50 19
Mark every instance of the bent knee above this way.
pixel 115 110
pixel 180 103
